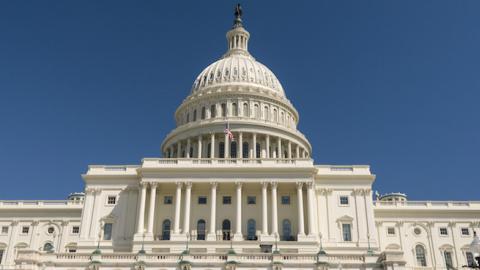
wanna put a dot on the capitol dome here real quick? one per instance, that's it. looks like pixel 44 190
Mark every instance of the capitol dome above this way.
pixel 236 109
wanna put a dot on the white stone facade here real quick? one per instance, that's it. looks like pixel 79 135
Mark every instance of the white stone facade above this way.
pixel 253 202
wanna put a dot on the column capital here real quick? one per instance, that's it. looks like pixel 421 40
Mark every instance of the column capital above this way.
pixel 188 185
pixel 65 223
pixel 89 190
pixel 35 223
pixel 274 185
pixel 299 185
pixel 310 184
pixel 452 224
pixel 153 184
pixel 214 184
pixel 239 184
pixel 179 184
pixel 264 184
pixel 143 184
pixel 14 223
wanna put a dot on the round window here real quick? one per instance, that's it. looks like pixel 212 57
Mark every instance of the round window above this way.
pixel 417 231
pixel 51 230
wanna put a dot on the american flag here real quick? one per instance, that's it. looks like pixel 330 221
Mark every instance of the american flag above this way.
pixel 229 132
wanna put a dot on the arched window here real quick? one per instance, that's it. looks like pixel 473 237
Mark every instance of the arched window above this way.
pixel 201 229
pixel 266 115
pixel 251 229
pixel 246 111
pixel 188 117
pixel 166 229
pixel 183 153
pixel 224 109
pixel 286 230
pixel 258 150
pixel 213 112
pixel 256 111
pixel 194 115
pixel 234 109
pixel 245 150
pixel 191 152
pixel 48 247
pixel 282 118
pixel 226 229
pixel 233 149
pixel 275 115
pixel 221 150
pixel 420 255
pixel 203 113
pixel 209 152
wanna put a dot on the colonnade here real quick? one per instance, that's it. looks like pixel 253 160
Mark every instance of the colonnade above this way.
pixel 185 188
pixel 244 145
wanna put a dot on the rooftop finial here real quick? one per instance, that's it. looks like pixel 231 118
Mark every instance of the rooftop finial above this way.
pixel 238 16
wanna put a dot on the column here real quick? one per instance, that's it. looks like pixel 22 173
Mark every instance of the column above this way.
pixel 254 135
pixel 289 149
pixel 141 209
pixel 213 212
pixel 33 236
pixel 280 155
pixel 301 222
pixel 187 151
pixel 297 151
pixel 238 222
pixel 186 218
pixel 62 237
pixel 212 145
pixel 151 210
pixel 267 145
pixel 178 200
pixel 264 209
pixel 274 209
pixel 179 150
pixel 86 213
pixel 240 145
pixel 170 152
pixel 311 227
pixel 199 147
pixel 227 147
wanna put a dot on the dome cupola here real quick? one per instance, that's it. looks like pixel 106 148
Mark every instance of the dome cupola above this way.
pixel 237 108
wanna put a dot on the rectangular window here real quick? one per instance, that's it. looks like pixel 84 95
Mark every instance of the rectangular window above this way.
pixel 227 199
pixel 391 231
pixel 202 200
pixel 448 259
pixel 251 200
pixel 343 200
pixel 443 231
pixel 470 259
pixel 347 232
pixel 72 250
pixel 4 229
pixel 167 200
pixel 112 200
pixel 25 229
pixel 465 231
pixel 286 199
pixel 107 231
pixel 75 229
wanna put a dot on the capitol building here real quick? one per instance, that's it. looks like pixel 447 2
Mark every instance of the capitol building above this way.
pixel 235 188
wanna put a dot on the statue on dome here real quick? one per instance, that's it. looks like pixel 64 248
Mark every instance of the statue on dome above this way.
pixel 238 16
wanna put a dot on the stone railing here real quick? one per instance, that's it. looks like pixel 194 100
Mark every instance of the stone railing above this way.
pixel 223 162
pixel 428 204
pixel 40 203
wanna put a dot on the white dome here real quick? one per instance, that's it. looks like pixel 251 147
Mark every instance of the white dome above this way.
pixel 237 68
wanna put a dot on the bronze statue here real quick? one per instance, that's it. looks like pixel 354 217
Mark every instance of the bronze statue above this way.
pixel 238 11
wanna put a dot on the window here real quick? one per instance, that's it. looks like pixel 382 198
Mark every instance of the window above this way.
pixel 226 229
pixel 285 199
pixel 251 200
pixel 72 250
pixel 224 109
pixel 251 230
pixel 246 112
pixel 227 199
pixel 221 150
pixel 1 255
pixel 209 150
pixel 420 255
pixel 245 150
pixel 195 115
pixel 111 200
pixel 107 231
pixel 343 200
pixel 286 230
pixel 469 257
pixel 48 247
pixel 234 109
pixel 75 229
pixel 201 229
pixel 203 113
pixel 391 231
pixel 266 116
pixel 417 231
pixel 347 232
pixel 167 200
pixel 233 149
pixel 50 230
pixel 202 200
pixel 256 111
pixel 166 229
pixel 188 117
pixel 448 259
pixel 212 111
pixel 443 231
pixel 25 229
pixel 257 151
pixel 465 231
pixel 4 229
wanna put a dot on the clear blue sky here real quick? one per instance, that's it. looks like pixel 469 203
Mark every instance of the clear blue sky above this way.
pixel 392 84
